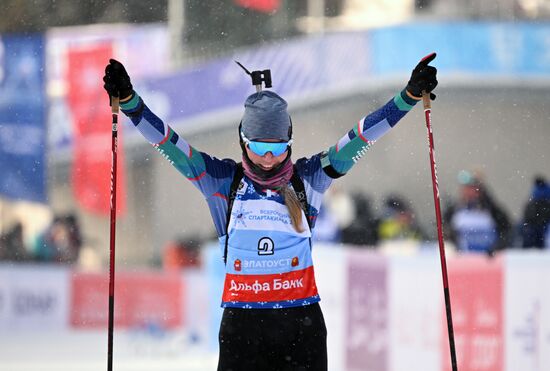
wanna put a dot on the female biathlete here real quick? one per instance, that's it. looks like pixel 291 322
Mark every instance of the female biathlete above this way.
pixel 264 211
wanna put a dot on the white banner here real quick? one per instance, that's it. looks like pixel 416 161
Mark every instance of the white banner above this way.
pixel 331 278
pixel 196 304
pixel 415 313
pixel 34 297
pixel 527 303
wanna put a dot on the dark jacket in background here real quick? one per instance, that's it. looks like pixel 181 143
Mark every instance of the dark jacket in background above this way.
pixel 536 217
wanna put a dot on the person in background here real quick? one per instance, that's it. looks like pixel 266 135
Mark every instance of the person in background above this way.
pixel 398 221
pixel 264 211
pixel 327 228
pixel 335 213
pixel 182 253
pixel 363 230
pixel 535 228
pixel 12 246
pixel 476 223
pixel 60 242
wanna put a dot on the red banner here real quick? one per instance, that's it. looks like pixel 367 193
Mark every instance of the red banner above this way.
pixel 264 6
pixel 91 172
pixel 141 299
pixel 476 286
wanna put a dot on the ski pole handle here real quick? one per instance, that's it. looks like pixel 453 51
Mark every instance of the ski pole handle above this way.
pixel 426 100
pixel 115 104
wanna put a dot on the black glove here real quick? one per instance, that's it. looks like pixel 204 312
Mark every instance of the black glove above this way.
pixel 117 81
pixel 423 78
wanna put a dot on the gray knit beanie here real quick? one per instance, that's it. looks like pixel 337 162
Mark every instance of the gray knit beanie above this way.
pixel 265 117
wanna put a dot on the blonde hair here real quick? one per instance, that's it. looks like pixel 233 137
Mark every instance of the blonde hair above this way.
pixel 294 207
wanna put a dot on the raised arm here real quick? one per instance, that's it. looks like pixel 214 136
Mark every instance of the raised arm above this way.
pixel 339 158
pixel 207 173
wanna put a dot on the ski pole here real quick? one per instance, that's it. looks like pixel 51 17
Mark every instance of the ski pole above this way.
pixel 428 115
pixel 114 150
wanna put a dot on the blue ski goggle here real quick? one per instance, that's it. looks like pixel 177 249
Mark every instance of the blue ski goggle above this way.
pixel 261 148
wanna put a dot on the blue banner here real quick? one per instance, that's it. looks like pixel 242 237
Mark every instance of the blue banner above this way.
pixel 22 118
pixel 300 68
pixel 489 49
pixel 312 68
pixel 306 68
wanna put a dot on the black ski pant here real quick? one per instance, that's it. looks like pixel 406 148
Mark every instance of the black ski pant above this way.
pixel 292 339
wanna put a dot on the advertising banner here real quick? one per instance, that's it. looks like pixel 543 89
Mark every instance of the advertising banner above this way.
pixel 215 273
pixel 91 170
pixel 264 6
pixel 331 274
pixel 33 297
pixel 22 118
pixel 151 42
pixel 527 300
pixel 367 344
pixel 476 288
pixel 415 294
pixel 311 69
pixel 300 68
pixel 509 49
pixel 141 299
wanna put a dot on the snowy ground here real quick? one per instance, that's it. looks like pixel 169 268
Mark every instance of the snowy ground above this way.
pixel 87 350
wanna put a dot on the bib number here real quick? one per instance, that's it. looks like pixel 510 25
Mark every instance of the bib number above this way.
pixel 266 246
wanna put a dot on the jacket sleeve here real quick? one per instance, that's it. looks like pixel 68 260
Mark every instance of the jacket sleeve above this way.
pixel 340 158
pixel 207 173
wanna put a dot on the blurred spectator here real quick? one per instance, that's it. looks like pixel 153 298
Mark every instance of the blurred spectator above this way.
pixel 182 253
pixel 363 230
pixel 475 222
pixel 60 242
pixel 326 226
pixel 336 213
pixel 340 205
pixel 398 221
pixel 535 231
pixel 12 247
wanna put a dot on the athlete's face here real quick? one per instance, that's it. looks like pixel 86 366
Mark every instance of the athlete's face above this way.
pixel 267 161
